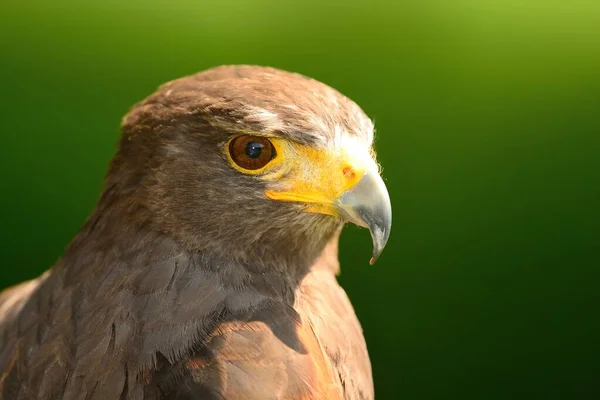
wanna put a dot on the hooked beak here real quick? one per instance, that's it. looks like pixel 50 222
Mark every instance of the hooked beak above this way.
pixel 368 205
pixel 344 183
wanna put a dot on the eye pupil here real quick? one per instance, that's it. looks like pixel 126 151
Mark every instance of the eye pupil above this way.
pixel 253 149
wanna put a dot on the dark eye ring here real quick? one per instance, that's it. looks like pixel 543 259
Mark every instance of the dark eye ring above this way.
pixel 251 152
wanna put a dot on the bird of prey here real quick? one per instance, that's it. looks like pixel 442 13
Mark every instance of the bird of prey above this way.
pixel 208 268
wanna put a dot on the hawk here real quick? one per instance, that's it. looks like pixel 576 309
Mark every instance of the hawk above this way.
pixel 208 268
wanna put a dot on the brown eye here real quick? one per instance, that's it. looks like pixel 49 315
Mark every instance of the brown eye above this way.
pixel 251 152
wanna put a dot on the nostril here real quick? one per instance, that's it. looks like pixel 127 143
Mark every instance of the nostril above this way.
pixel 349 173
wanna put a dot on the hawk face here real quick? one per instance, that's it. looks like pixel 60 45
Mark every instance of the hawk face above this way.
pixel 252 162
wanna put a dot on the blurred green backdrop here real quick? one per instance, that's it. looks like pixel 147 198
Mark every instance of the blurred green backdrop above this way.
pixel 488 123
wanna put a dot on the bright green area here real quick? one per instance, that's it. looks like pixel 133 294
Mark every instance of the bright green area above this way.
pixel 488 123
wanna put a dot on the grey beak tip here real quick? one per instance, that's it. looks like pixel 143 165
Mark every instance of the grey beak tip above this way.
pixel 368 205
pixel 380 239
pixel 375 256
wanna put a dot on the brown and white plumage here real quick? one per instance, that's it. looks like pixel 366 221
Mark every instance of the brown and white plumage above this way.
pixel 197 279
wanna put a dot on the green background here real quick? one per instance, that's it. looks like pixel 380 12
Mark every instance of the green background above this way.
pixel 488 129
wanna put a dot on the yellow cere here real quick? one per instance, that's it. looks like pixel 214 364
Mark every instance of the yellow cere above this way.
pixel 314 176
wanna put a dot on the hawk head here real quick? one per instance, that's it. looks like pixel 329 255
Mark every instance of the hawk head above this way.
pixel 245 161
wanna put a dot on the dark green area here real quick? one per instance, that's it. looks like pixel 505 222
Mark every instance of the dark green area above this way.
pixel 488 123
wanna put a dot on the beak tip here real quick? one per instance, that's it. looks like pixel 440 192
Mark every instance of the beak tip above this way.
pixel 379 242
pixel 368 205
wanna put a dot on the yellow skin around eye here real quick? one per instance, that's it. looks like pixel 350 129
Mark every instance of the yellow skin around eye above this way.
pixel 314 176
